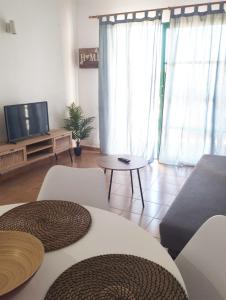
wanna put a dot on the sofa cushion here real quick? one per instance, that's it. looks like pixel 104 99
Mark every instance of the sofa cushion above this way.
pixel 202 196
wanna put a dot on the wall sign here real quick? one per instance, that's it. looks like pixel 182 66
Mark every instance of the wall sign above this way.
pixel 88 58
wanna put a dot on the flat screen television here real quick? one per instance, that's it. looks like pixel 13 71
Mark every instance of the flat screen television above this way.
pixel 26 120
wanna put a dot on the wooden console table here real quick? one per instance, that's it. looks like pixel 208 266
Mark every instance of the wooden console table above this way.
pixel 13 156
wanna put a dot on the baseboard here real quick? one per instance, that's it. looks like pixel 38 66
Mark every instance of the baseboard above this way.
pixel 90 148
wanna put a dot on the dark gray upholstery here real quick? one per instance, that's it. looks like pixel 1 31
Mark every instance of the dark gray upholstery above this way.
pixel 202 196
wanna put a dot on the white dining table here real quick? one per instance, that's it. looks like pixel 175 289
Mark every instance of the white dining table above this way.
pixel 109 234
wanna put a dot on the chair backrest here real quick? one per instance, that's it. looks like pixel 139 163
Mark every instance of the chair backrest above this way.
pixel 202 262
pixel 83 186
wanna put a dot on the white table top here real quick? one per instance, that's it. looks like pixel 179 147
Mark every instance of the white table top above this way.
pixel 109 234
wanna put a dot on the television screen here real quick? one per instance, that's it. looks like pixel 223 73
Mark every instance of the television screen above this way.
pixel 26 120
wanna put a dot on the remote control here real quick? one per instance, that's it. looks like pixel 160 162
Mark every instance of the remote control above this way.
pixel 124 160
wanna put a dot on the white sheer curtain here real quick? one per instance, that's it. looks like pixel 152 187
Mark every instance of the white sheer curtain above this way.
pixel 129 87
pixel 194 120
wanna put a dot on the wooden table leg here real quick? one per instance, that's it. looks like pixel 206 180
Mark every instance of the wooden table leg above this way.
pixel 131 177
pixel 69 150
pixel 109 193
pixel 105 170
pixel 141 192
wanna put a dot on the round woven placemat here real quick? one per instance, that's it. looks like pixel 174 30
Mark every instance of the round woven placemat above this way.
pixel 116 276
pixel 56 223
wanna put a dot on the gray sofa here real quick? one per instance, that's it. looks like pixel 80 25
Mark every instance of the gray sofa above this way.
pixel 202 196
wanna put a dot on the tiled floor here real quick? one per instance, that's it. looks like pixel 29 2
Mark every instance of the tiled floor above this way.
pixel 160 186
pixel 160 183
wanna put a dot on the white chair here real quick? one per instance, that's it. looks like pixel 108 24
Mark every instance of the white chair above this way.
pixel 202 262
pixel 83 186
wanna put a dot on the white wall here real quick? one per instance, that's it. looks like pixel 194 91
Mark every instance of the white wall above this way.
pixel 88 36
pixel 38 63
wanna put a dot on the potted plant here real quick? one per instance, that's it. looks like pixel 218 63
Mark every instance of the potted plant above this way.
pixel 79 125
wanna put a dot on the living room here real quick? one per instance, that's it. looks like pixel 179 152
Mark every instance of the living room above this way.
pixel 112 130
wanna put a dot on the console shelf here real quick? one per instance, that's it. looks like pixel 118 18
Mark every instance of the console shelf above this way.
pixel 37 156
pixel 13 156
pixel 38 148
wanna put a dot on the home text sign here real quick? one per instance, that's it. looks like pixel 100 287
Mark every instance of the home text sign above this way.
pixel 88 58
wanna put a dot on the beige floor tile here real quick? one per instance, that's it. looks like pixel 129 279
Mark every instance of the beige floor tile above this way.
pixel 116 211
pixel 153 228
pixel 158 197
pixel 120 202
pixel 162 212
pixel 150 209
pixel 125 190
pixel 164 187
pixel 140 220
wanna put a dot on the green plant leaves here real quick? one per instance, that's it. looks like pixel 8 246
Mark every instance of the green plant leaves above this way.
pixel 77 123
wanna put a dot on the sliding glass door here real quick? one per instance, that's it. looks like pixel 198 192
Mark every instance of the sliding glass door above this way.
pixel 194 118
pixel 162 87
pixel 129 87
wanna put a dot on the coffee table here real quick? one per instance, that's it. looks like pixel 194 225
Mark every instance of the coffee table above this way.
pixel 111 162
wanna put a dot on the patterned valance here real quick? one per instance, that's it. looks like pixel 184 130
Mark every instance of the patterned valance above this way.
pixel 131 17
pixel 198 10
pixel 174 12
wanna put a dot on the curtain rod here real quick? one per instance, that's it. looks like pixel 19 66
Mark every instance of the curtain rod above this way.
pixel 154 9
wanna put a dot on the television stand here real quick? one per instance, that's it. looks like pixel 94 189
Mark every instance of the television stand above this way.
pixel 13 156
